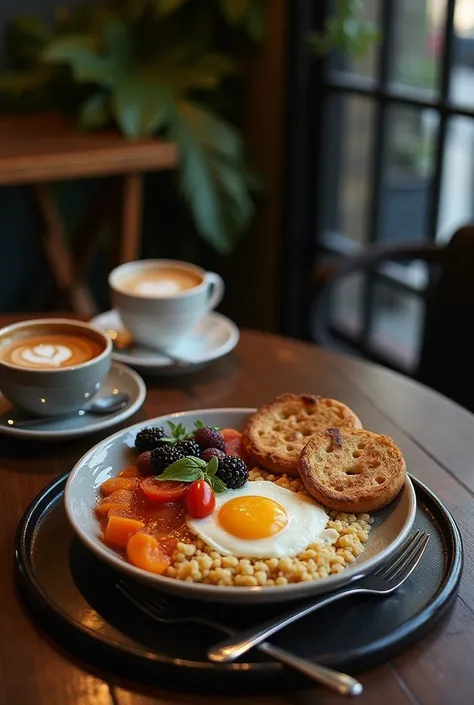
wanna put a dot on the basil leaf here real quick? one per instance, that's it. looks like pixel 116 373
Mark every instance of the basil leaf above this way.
pixel 216 483
pixel 186 475
pixel 184 470
pixel 211 467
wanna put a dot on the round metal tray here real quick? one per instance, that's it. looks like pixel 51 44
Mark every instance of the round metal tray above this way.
pixel 74 599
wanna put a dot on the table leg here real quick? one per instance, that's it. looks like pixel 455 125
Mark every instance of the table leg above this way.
pixel 131 217
pixel 58 255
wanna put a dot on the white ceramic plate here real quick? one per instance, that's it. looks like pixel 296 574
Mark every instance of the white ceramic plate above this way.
pixel 120 377
pixel 391 527
pixel 214 336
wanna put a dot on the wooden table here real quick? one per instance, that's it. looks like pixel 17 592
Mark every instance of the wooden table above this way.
pixel 436 436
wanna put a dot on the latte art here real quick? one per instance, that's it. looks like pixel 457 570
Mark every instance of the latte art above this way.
pixel 46 355
pixel 50 351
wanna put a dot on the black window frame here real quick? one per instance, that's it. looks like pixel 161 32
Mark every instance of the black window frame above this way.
pixel 310 84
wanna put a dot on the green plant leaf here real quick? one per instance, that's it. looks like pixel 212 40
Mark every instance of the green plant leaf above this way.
pixel 184 470
pixel 86 56
pixel 255 21
pixel 216 483
pixel 205 73
pixel 204 174
pixel 18 82
pixel 234 11
pixel 94 112
pixel 26 37
pixel 212 467
pixel 141 104
pixel 167 7
pixel 80 53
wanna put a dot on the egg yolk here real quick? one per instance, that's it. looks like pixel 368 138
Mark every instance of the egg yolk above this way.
pixel 252 517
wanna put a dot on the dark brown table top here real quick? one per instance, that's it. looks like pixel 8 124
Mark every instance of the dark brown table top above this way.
pixel 49 147
pixel 436 436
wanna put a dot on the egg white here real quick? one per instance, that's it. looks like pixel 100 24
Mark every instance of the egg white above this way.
pixel 306 525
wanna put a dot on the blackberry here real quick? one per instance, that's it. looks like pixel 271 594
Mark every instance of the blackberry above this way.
pixel 149 438
pixel 189 447
pixel 164 456
pixel 208 437
pixel 212 453
pixel 233 472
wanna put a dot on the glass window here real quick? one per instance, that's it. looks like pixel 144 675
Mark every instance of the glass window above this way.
pixel 367 64
pixel 456 206
pixel 462 74
pixel 345 168
pixel 397 319
pixel 418 43
pixel 346 305
pixel 406 183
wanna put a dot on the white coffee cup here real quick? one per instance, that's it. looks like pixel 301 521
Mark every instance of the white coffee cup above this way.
pixel 160 301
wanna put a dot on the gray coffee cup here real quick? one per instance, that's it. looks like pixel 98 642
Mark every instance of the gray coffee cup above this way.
pixel 47 391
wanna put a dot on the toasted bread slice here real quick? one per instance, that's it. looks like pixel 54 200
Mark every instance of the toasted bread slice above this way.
pixel 276 434
pixel 352 470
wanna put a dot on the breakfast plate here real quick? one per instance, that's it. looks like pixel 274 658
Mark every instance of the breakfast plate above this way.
pixel 106 460
pixel 73 596
pixel 214 336
pixel 119 377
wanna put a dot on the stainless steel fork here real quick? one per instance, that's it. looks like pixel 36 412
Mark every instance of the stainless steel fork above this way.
pixel 381 582
pixel 174 611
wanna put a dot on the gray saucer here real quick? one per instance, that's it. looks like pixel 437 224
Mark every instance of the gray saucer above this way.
pixel 120 377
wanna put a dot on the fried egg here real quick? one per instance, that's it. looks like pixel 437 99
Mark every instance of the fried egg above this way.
pixel 263 520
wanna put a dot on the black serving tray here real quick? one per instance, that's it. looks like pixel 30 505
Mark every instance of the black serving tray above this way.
pixel 72 595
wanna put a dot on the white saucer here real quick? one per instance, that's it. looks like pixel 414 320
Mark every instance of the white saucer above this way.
pixel 119 377
pixel 214 336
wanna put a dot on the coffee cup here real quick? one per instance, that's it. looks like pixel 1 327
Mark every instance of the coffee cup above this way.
pixel 160 301
pixel 52 366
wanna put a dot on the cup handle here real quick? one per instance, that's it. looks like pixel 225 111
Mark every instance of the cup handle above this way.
pixel 216 289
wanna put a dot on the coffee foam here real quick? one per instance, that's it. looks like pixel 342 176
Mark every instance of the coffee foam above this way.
pixel 50 350
pixel 42 355
pixel 159 283
pixel 165 287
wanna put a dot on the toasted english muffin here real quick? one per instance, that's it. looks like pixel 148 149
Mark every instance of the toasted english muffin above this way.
pixel 276 434
pixel 352 470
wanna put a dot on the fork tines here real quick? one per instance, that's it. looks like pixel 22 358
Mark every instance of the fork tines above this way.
pixel 406 559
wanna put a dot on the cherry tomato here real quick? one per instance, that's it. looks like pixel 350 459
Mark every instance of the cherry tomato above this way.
pixel 200 500
pixel 163 491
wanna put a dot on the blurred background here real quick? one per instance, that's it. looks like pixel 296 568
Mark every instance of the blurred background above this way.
pixel 306 129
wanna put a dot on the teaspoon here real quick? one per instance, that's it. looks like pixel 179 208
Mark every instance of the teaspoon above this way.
pixel 105 405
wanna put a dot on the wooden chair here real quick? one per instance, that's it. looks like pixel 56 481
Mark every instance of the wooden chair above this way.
pixel 446 361
pixel 36 150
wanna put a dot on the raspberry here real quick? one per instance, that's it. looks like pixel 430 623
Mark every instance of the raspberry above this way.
pixel 208 437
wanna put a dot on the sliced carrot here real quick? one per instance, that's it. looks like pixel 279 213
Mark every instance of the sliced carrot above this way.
pixel 119 529
pixel 229 434
pixel 118 483
pixel 145 552
pixel 106 507
pixel 129 472
pixel 124 497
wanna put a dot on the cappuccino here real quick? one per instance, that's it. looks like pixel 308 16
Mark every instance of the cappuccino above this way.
pixel 161 282
pixel 50 351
